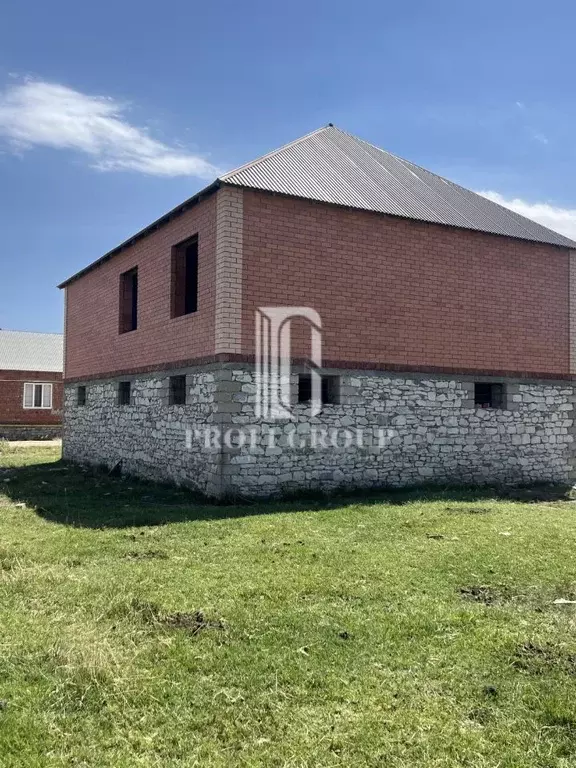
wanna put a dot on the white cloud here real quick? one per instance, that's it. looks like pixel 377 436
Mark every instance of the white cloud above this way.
pixel 537 136
pixel 561 220
pixel 37 113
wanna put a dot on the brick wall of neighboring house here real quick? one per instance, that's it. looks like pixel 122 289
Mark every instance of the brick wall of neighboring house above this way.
pixel 406 293
pixel 12 409
pixel 93 344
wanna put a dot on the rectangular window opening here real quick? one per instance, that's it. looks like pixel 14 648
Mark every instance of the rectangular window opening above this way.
pixel 184 287
pixel 330 389
pixel 177 394
pixel 124 393
pixel 129 300
pixel 37 395
pixel 304 388
pixel 488 394
pixel 81 395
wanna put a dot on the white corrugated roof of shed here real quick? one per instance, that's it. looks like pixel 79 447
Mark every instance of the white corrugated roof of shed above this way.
pixel 30 351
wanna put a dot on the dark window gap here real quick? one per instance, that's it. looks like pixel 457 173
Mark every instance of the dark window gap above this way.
pixel 177 391
pixel 488 394
pixel 124 393
pixel 330 389
pixel 129 300
pixel 184 287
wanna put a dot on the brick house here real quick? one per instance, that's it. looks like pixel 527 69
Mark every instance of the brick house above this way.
pixel 31 385
pixel 448 332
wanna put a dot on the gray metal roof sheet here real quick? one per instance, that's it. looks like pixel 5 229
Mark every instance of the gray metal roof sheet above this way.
pixel 27 351
pixel 332 166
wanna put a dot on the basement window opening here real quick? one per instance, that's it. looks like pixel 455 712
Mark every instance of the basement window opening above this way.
pixel 488 394
pixel 330 389
pixel 124 393
pixel 81 396
pixel 177 393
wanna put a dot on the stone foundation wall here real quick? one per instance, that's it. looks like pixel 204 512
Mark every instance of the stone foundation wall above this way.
pixel 148 436
pixel 412 430
pixel 388 430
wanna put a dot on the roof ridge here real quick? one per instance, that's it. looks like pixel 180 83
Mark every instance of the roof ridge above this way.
pixel 388 170
pixel 509 212
pixel 274 152
pixel 517 217
pixel 406 163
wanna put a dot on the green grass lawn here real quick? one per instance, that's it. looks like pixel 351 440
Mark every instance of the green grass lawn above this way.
pixel 138 628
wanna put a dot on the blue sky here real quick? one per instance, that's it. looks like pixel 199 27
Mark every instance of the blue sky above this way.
pixel 112 113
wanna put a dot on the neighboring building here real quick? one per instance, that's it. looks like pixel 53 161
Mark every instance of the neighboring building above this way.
pixel 448 326
pixel 30 385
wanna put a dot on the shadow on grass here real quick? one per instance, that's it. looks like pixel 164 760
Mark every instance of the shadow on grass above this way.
pixel 92 498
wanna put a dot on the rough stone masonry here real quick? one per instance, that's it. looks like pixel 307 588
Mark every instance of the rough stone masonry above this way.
pixel 388 430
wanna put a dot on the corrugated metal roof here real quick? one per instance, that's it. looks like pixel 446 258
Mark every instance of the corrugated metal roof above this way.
pixel 332 166
pixel 26 351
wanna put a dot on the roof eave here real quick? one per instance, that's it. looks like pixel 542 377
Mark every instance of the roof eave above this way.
pixel 569 245
pixel 177 211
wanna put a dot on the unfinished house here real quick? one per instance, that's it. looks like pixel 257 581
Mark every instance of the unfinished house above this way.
pixel 447 329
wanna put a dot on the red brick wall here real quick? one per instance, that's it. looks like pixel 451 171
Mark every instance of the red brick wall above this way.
pixel 401 292
pixel 12 398
pixel 93 344
pixel 390 291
